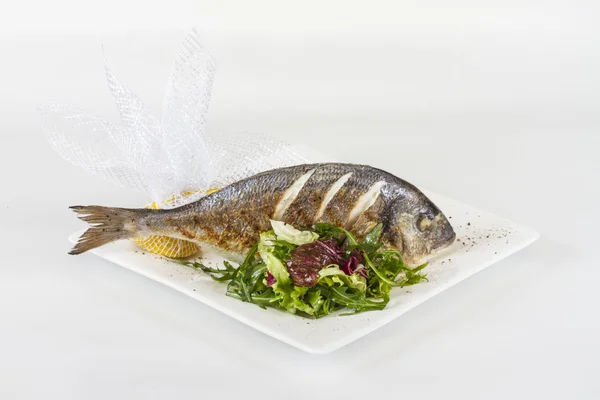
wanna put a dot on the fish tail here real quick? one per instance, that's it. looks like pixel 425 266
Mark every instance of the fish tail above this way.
pixel 107 224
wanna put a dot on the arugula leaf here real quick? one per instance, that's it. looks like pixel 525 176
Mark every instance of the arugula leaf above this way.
pixel 371 242
pixel 380 274
pixel 358 301
pixel 327 231
pixel 219 275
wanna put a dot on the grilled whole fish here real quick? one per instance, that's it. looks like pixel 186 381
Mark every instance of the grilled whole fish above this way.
pixel 356 197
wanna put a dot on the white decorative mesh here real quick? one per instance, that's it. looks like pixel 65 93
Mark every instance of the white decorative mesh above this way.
pixel 173 159
pixel 184 115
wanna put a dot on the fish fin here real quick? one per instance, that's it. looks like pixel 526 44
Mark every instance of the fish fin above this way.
pixel 108 225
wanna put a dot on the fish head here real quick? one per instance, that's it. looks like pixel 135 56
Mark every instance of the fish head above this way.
pixel 420 229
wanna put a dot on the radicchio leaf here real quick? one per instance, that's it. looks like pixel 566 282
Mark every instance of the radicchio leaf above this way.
pixel 270 279
pixel 354 264
pixel 308 259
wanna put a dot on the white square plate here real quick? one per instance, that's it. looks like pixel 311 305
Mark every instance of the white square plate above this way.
pixel 482 239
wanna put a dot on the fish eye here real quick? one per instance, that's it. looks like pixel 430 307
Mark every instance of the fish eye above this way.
pixel 424 223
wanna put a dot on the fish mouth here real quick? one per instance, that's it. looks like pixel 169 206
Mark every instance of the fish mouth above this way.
pixel 434 253
pixel 446 241
pixel 420 251
pixel 441 245
pixel 444 235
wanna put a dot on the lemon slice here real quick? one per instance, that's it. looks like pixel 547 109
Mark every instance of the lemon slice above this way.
pixel 168 246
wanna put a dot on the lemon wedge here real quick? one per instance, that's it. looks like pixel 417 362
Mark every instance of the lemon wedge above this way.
pixel 168 246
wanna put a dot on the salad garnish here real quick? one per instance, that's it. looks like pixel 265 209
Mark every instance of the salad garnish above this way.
pixel 316 271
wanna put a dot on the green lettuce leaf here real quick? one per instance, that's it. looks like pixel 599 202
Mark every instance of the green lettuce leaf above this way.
pixel 266 250
pixel 288 233
pixel 288 296
pixel 332 275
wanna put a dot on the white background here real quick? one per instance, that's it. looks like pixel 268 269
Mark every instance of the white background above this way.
pixel 494 104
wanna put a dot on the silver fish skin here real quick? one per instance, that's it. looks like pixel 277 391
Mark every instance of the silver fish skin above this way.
pixel 356 197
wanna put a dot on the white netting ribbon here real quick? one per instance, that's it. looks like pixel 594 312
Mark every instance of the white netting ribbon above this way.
pixel 168 157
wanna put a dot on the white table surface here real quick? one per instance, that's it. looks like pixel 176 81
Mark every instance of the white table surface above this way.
pixel 528 327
